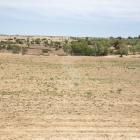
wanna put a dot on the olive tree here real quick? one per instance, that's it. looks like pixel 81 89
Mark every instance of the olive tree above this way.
pixel 123 50
pixel 67 48
pixel 98 49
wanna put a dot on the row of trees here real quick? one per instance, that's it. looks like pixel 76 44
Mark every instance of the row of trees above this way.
pixel 82 48
pixel 17 49
pixel 98 48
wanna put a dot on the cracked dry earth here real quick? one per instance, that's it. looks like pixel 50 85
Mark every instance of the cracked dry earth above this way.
pixel 69 98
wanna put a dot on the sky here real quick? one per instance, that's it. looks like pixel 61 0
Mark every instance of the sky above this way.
pixel 78 18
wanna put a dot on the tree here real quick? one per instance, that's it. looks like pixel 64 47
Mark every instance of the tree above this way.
pixel 133 49
pixel 130 37
pixel 86 38
pixel 138 48
pixel 123 50
pixel 105 50
pixel 16 49
pixel 66 41
pixel 28 44
pixel 37 41
pixel 57 48
pixel 117 42
pixel 67 48
pixel 23 50
pixel 28 39
pixel 51 44
pixel 98 49
pixel 81 48
pixel 119 37
pixel 46 42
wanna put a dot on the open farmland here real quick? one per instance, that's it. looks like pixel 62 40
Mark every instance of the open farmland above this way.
pixel 69 98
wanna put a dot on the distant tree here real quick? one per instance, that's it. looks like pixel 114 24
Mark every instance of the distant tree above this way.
pixel 67 48
pixel 32 42
pixel 28 39
pixel 119 37
pixel 28 44
pixel 123 49
pixel 16 49
pixel 18 41
pixel 86 38
pixel 89 42
pixel 23 50
pixel 139 37
pixel 130 37
pixel 37 41
pixel 44 51
pixel 98 49
pixel 43 39
pixel 9 47
pixel 106 51
pixel 111 37
pixel 81 48
pixel 57 48
pixel 66 41
pixel 117 42
pixel 133 49
pixel 51 44
pixel 138 48
pixel 46 43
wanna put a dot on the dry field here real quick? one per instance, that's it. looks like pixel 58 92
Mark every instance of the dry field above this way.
pixel 69 98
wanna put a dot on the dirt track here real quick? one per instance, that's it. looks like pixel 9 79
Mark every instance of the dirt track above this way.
pixel 69 98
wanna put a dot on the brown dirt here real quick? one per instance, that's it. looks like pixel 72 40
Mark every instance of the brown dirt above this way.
pixel 69 98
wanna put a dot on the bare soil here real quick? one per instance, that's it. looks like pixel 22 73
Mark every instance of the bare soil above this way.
pixel 69 98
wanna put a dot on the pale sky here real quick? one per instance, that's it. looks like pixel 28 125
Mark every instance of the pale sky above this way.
pixel 93 18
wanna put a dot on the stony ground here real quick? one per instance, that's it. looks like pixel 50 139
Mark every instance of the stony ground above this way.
pixel 69 98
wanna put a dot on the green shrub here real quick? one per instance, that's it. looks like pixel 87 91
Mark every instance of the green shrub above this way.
pixel 23 51
pixel 16 49
pixel 57 48
pixel 76 84
pixel 7 42
pixel 116 52
pixel 10 47
pixel 44 51
pixel 81 48
pixel 123 50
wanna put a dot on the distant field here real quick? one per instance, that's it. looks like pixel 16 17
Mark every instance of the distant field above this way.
pixel 69 98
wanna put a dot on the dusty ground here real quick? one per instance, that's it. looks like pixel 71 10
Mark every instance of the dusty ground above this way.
pixel 69 98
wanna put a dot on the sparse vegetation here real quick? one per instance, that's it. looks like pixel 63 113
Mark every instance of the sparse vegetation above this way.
pixel 67 93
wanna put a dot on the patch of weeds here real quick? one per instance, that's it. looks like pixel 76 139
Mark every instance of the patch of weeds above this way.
pixel 111 91
pixel 51 78
pixel 111 105
pixel 60 95
pixel 3 93
pixel 104 94
pixel 76 84
pixel 130 67
pixel 89 93
pixel 119 90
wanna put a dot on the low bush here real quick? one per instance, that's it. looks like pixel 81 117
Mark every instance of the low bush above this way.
pixel 24 50
pixel 57 48
pixel 16 49
pixel 44 51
